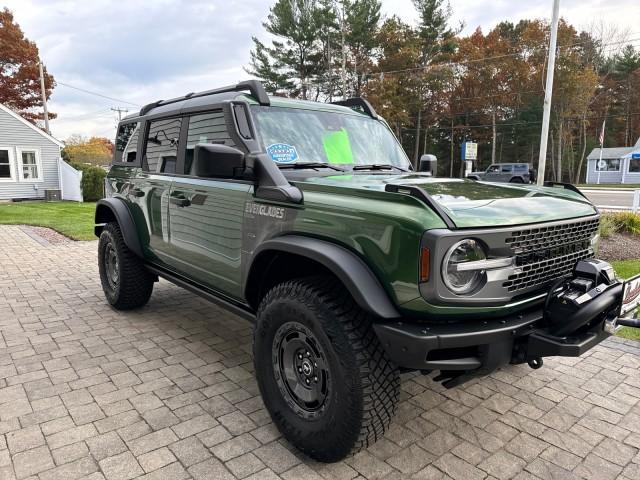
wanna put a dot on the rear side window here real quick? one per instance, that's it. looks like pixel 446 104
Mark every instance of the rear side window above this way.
pixel 522 168
pixel 126 143
pixel 161 151
pixel 208 127
pixel 506 168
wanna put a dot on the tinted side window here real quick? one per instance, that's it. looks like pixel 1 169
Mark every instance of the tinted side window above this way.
pixel 161 151
pixel 506 168
pixel 205 128
pixel 126 143
pixel 493 169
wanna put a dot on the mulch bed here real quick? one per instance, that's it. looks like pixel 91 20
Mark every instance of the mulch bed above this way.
pixel 45 236
pixel 619 246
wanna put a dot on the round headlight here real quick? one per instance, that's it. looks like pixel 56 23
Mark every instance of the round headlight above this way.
pixel 461 281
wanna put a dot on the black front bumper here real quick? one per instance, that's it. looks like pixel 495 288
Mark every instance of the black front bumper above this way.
pixel 467 349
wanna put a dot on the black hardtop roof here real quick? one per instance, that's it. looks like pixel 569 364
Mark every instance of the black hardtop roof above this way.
pixel 232 92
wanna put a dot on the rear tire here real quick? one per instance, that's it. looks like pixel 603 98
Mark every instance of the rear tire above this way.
pixel 516 180
pixel 324 376
pixel 126 283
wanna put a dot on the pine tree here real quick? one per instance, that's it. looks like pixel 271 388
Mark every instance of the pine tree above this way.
pixel 293 60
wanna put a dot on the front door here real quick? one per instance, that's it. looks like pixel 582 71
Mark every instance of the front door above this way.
pixel 206 215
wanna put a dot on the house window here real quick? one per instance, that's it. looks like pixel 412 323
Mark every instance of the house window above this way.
pixel 634 165
pixel 608 165
pixel 6 164
pixel 30 168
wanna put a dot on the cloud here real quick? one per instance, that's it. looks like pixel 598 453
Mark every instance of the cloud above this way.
pixel 140 51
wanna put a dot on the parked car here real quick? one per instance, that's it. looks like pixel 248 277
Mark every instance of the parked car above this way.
pixel 307 219
pixel 506 172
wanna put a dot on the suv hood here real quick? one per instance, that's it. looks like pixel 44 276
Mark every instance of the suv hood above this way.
pixel 469 203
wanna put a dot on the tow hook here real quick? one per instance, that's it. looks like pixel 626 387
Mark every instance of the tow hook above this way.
pixel 536 363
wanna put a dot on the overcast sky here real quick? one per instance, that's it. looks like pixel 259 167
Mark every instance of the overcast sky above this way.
pixel 137 51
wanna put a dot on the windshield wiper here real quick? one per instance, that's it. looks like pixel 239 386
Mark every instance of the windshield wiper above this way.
pixel 378 166
pixel 302 165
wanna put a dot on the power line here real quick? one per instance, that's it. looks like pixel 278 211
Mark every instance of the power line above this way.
pixel 89 92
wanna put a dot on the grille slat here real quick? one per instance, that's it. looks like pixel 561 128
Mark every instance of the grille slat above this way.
pixel 544 254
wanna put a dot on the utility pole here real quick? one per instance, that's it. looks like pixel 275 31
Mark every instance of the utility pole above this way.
pixel 120 112
pixel 44 100
pixel 546 114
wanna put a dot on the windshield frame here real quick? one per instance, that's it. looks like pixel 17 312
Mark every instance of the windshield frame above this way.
pixel 257 127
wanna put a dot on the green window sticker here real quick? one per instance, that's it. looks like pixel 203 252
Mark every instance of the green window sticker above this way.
pixel 337 147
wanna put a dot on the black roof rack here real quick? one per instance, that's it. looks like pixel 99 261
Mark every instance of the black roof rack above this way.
pixel 358 102
pixel 254 86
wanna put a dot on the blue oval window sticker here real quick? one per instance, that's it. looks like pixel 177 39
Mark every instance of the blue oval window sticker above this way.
pixel 282 153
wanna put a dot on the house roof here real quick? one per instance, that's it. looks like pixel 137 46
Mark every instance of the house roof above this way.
pixel 616 152
pixel 31 125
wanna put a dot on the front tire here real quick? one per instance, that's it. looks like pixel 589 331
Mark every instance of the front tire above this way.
pixel 324 377
pixel 126 283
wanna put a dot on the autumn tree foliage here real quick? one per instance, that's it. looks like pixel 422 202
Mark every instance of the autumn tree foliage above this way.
pixel 94 150
pixel 19 71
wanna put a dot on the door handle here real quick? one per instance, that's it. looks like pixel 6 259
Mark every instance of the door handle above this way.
pixel 180 201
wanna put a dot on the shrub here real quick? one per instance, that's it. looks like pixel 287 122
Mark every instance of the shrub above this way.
pixel 608 225
pixel 626 222
pixel 92 181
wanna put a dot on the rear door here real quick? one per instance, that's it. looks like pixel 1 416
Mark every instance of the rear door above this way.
pixel 506 172
pixel 206 214
pixel 153 184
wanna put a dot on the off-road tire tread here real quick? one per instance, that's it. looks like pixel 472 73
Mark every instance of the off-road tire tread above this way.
pixel 379 380
pixel 136 282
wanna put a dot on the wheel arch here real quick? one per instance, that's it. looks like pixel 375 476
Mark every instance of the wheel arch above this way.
pixel 115 210
pixel 293 256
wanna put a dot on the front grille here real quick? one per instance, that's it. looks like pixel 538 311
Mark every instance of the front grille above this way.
pixel 533 239
pixel 544 254
pixel 539 273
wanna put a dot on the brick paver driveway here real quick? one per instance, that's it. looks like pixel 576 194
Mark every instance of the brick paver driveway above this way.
pixel 168 392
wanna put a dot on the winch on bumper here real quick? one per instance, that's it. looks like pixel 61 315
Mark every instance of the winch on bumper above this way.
pixel 579 312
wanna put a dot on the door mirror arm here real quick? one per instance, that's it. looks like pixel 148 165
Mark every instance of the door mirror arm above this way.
pixel 270 183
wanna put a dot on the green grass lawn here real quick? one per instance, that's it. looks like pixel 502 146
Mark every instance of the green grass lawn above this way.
pixel 626 269
pixel 75 220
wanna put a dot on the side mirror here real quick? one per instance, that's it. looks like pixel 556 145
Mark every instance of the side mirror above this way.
pixel 428 164
pixel 212 160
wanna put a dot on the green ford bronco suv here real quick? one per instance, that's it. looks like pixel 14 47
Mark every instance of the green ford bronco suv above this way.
pixel 307 219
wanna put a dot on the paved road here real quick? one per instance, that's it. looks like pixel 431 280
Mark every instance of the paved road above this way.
pixel 167 392
pixel 609 198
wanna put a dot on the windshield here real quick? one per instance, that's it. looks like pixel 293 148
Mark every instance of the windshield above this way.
pixel 291 135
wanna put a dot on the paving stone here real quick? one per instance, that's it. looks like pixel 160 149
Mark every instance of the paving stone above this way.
pixel 156 459
pixel 190 451
pixel 526 447
pixel 32 462
pixel 410 460
pixel 502 465
pixel 457 468
pixel 194 426
pixel 73 435
pixel 154 440
pixel 210 469
pixel 79 468
pixel 70 453
pixel 276 457
pixel 173 471
pixel 87 413
pixel 106 445
pixel 121 467
pixel 235 447
pixel 24 439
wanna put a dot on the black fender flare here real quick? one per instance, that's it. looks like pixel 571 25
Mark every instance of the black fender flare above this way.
pixel 107 207
pixel 357 277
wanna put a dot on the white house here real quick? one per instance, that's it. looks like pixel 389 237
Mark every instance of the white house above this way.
pixel 30 161
pixel 617 165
